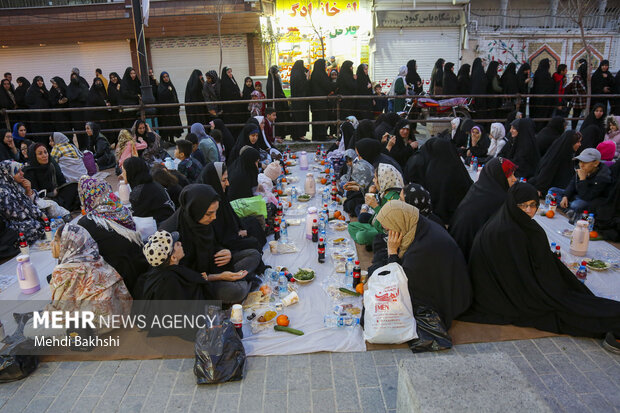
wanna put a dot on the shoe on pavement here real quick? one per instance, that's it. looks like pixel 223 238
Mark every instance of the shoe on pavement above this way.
pixel 612 343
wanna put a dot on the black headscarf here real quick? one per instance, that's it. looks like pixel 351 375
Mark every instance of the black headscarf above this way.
pixel 401 151
pixel 199 243
pixel 77 92
pixel 385 123
pixel 483 199
pixel 543 85
pixel 113 93
pixel 413 78
pixel 522 77
pixel 478 78
pixel 97 95
pixel 599 81
pixel 345 83
pixel 464 80
pixel 274 83
pixel 298 80
pixel 130 88
pixel 166 92
pixel 437 75
pixel 548 134
pixel 320 85
pixel 591 119
pixel 20 92
pixel 57 94
pixel 523 150
pixel 370 151
pixel 592 136
pixel 556 167
pixel 227 137
pixel 137 171
pixel 244 140
pixel 227 224
pixel 450 81
pixel 193 89
pixel 438 168
pixel 247 91
pixel 37 97
pixel 492 71
pixel 510 85
pixel 243 174
pixel 48 176
pixel 517 279
pixel 364 130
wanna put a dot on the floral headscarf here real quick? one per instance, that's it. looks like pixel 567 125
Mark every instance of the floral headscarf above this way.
pixel 104 208
pixel 419 197
pixel 388 178
pixel 124 137
pixel 76 245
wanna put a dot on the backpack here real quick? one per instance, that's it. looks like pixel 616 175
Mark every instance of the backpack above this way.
pixel 89 163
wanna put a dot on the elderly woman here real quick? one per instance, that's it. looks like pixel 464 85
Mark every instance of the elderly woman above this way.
pixel 231 275
pixel 111 225
pixel 517 279
pixel 17 203
pixel 434 265
pixel 388 184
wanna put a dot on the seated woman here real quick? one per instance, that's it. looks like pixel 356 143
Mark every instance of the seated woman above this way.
pixel 549 134
pixel 243 174
pixel 497 138
pixel 355 181
pixel 483 199
pixel 82 280
pixel 522 149
pixel 595 117
pixel 434 265
pixel 206 144
pixel 438 168
pixel 232 232
pixel 147 198
pixel 104 157
pixel 613 132
pixel 370 151
pixel 230 275
pixel 517 279
pixel 18 208
pixel 556 168
pixel 169 181
pixel 142 132
pixel 45 174
pixel 8 150
pixel 401 144
pixel 127 147
pixel 248 137
pixel 110 224
pixel 388 184
pixel 66 155
pixel 477 145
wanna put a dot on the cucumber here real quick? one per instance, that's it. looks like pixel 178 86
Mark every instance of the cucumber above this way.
pixel 288 330
pixel 347 291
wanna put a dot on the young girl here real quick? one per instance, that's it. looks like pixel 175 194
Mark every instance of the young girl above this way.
pixel 258 86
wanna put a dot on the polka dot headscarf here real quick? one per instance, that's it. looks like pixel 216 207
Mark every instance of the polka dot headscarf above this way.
pixel 159 247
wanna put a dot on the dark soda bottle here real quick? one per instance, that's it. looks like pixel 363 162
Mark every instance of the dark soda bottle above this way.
pixel 321 250
pixel 279 213
pixel 315 231
pixel 357 274
pixel 276 232
pixel 557 252
pixel 23 244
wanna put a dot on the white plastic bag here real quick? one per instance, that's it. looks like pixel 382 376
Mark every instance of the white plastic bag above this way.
pixel 145 226
pixel 52 208
pixel 389 313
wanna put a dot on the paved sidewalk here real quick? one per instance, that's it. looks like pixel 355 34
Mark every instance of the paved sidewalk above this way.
pixel 572 375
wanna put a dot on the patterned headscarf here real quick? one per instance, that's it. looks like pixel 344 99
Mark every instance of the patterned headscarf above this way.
pixel 105 208
pixel 388 177
pixel 400 217
pixel 419 197
pixel 124 137
pixel 76 245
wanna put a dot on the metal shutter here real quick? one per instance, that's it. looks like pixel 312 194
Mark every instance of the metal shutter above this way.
pixel 425 45
pixel 179 56
pixel 58 60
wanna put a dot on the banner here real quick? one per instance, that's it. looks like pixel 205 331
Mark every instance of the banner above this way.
pixel 420 18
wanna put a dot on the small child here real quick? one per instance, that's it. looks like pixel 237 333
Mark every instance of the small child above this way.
pixel 379 105
pixel 255 107
pixel 258 86
pixel 216 134
pixel 189 167
pixel 196 152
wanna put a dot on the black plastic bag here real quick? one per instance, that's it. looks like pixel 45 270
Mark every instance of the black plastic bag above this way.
pixel 432 333
pixel 14 366
pixel 220 356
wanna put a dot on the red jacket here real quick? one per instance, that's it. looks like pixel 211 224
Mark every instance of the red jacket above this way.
pixel 559 84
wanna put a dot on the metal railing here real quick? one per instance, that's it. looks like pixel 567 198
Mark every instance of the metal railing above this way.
pixel 335 112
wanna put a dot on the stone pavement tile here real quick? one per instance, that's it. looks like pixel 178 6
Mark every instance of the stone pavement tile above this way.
pixel 597 403
pixel 181 403
pixel 613 371
pixel 529 373
pixel 587 344
pixel 321 372
pixel 507 347
pixel 366 374
pixel 402 353
pixel 85 404
pixel 565 343
pixel 323 401
pixel 551 401
pixel 256 363
pixel 107 367
pixel 25 393
pixel 462 349
pixel 7 389
pixel 87 368
pixel 131 404
pixel 485 347
pixel 46 368
pixel 186 383
pixel 204 399
pixel 2 401
pixel 73 388
pixel 141 384
pixel 158 397
pixel 231 387
pixel 563 393
pixel 99 381
pixel 384 358
pixel 275 402
pixel 299 379
pixel 149 367
pixel 299 361
pixel 388 377
pixel 251 399
pixel 114 393
pixel 546 346
pixel 342 360
pixel 601 358
pixel 254 381
pixel 536 359
pixel 40 404
pixel 582 361
pixel 299 402
pixel 171 365
pixel 56 381
pixel 372 400
pixel 277 368
pixel 607 386
pixel 569 372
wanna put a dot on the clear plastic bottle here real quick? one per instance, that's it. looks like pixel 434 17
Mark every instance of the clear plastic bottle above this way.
pixel 53 227
pixel 325 196
pixel 283 231
pixel 590 222
pixel 348 273
pixel 321 224
pixel 293 194
pixel 548 199
pixel 123 191
pixel 474 164
pixel 553 244
pixel 282 285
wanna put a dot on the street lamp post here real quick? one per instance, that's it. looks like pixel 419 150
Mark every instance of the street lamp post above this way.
pixel 143 67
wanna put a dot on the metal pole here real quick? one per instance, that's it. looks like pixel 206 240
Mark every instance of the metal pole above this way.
pixel 6 119
pixel 143 67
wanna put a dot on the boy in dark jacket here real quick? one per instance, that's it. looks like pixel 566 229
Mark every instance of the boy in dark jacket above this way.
pixel 188 166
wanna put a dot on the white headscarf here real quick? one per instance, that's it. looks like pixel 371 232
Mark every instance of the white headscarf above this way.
pixel 455 123
pixel 402 72
pixel 498 130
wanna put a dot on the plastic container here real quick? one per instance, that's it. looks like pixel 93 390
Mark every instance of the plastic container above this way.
pixel 310 184
pixel 303 161
pixel 310 217
pixel 580 239
pixel 27 275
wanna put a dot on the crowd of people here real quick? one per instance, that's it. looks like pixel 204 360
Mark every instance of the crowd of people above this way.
pixel 471 250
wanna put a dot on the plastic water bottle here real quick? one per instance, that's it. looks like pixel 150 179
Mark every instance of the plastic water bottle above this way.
pixel 582 273
pixel 325 196
pixel 348 273
pixel 553 244
pixel 282 285
pixel 283 231
pixel 294 194
pixel 342 320
pixel 548 199
pixel 321 225
pixel 474 164
pixel 590 222
pixel 53 227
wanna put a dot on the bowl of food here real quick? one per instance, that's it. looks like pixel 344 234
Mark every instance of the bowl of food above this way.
pixel 337 225
pixel 597 265
pixel 264 318
pixel 338 242
pixel 304 198
pixel 304 276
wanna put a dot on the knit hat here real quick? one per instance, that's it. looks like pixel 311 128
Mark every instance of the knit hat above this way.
pixel 508 166
pixel 273 170
pixel 258 83
pixel 607 150
pixel 159 247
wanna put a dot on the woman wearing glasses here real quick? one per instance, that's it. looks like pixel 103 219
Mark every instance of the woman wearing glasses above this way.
pixel 517 279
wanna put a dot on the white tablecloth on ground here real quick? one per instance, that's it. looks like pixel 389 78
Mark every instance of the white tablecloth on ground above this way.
pixel 314 303
pixel 602 283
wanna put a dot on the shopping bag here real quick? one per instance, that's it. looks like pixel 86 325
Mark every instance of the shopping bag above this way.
pixel 244 207
pixel 432 332
pixel 13 365
pixel 220 356
pixel 388 317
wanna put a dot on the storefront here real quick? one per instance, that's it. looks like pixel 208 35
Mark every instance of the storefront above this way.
pixel 423 35
pixel 309 30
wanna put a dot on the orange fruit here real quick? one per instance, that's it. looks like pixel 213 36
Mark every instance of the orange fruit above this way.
pixel 359 288
pixel 341 217
pixel 294 156
pixel 327 170
pixel 283 179
pixel 265 289
pixel 550 214
pixel 323 181
pixel 322 162
pixel 593 234
pixel 289 163
pixel 337 214
pixel 289 204
pixel 279 192
pixel 282 320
